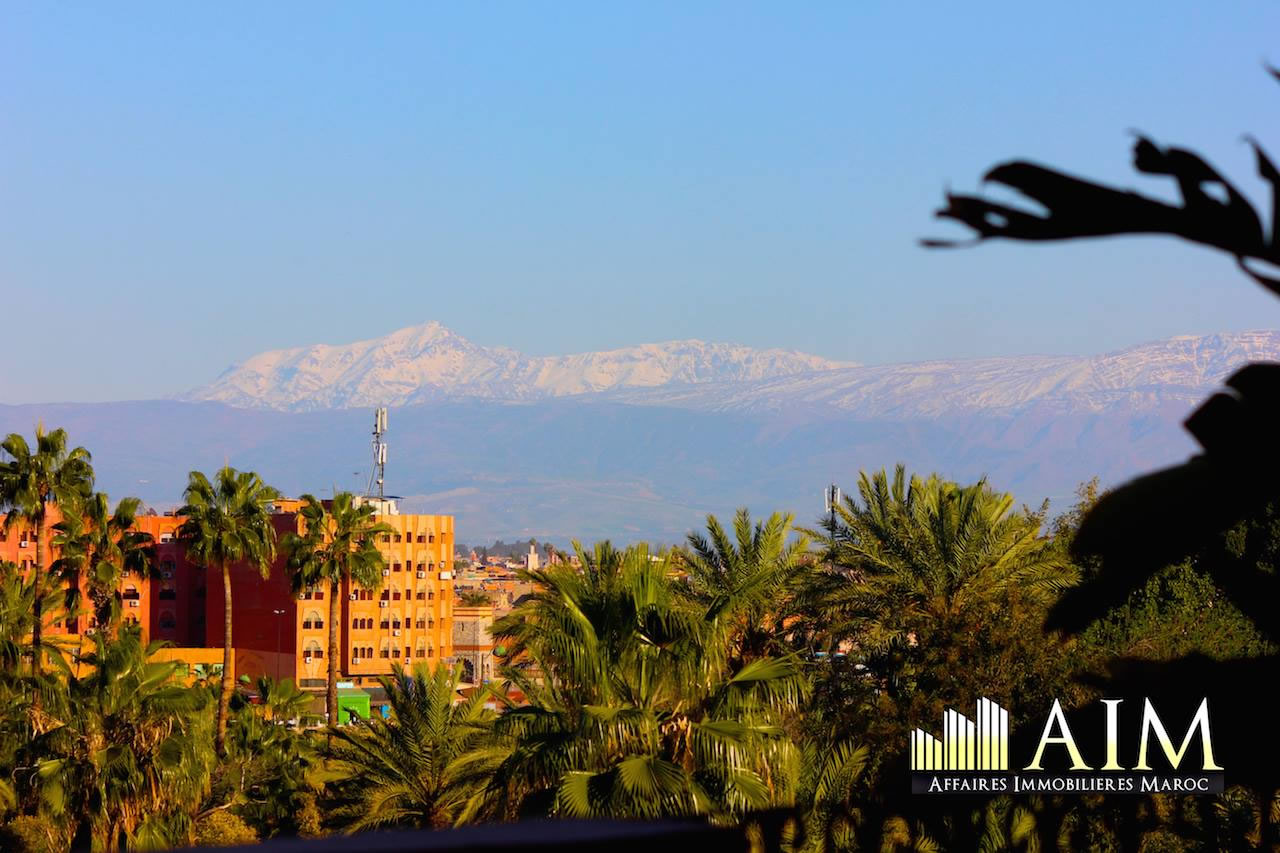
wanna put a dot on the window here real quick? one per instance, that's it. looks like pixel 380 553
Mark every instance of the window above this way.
pixel 421 538
pixel 395 567
pixel 384 624
pixel 397 537
pixel 168 593
pixel 312 619
pixel 386 537
pixel 313 650
pixel 167 621
pixel 130 593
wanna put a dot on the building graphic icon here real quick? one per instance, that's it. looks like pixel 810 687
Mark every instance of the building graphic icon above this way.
pixel 965 744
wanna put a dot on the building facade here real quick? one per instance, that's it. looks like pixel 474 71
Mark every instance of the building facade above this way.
pixel 275 631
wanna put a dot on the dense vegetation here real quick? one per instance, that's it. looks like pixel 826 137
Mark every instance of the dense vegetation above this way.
pixel 757 668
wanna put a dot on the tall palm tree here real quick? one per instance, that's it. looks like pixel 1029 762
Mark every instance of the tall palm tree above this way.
pixel 633 709
pixel 746 581
pixel 101 546
pixel 337 545
pixel 426 766
pixel 32 483
pixel 224 522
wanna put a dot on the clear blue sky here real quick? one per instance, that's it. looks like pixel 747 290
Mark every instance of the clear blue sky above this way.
pixel 183 185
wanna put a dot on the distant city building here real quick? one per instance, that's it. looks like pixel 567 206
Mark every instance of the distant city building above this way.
pixel 473 647
pixel 531 559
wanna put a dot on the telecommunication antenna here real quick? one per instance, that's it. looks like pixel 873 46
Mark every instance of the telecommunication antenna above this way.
pixel 831 500
pixel 379 473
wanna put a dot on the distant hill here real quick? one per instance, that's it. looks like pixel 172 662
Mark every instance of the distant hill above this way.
pixel 631 462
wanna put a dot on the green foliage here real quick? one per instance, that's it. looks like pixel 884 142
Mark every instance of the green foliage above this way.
pixel 1178 611
pixel 223 829
pixel 633 709
pixel 429 765
pixel 31 482
pixel 99 547
pixel 127 758
pixel 474 598
pixel 746 584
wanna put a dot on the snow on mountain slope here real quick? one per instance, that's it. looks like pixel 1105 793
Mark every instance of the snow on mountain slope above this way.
pixel 429 362
pixel 1141 378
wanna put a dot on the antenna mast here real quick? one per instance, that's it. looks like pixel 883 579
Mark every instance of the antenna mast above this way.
pixel 379 452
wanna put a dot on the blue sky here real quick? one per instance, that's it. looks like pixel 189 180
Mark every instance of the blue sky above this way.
pixel 185 185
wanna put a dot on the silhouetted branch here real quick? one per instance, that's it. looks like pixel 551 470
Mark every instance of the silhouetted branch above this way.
pixel 1213 212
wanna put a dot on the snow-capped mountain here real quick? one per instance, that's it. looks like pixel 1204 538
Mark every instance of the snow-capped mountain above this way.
pixel 430 362
pixel 1141 378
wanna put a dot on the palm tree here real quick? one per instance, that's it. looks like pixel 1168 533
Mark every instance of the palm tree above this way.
pixel 32 483
pixel 130 754
pixel 633 709
pixel 101 546
pixel 337 546
pixel 916 557
pixel 426 766
pixel 746 581
pixel 227 521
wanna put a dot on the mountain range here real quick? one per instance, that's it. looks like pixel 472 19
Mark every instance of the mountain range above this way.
pixel 429 362
pixel 642 442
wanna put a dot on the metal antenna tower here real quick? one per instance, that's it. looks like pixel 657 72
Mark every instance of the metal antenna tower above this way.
pixel 378 475
pixel 831 500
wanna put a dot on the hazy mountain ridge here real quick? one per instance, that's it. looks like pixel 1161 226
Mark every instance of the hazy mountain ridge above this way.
pixel 430 362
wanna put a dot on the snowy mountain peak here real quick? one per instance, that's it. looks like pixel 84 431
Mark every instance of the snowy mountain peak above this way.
pixel 426 362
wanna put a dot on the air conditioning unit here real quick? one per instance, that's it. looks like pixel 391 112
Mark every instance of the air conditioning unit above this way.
pixel 386 573
pixel 422 574
pixel 23 544
pixel 446 576
pixel 382 604
pixel 396 632
pixel 89 632
pixel 166 575
pixel 306 659
pixel 355 661
pixel 352 596
pixel 133 602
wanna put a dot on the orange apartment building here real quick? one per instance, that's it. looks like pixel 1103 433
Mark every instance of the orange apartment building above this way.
pixel 408 621
pixel 275 632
